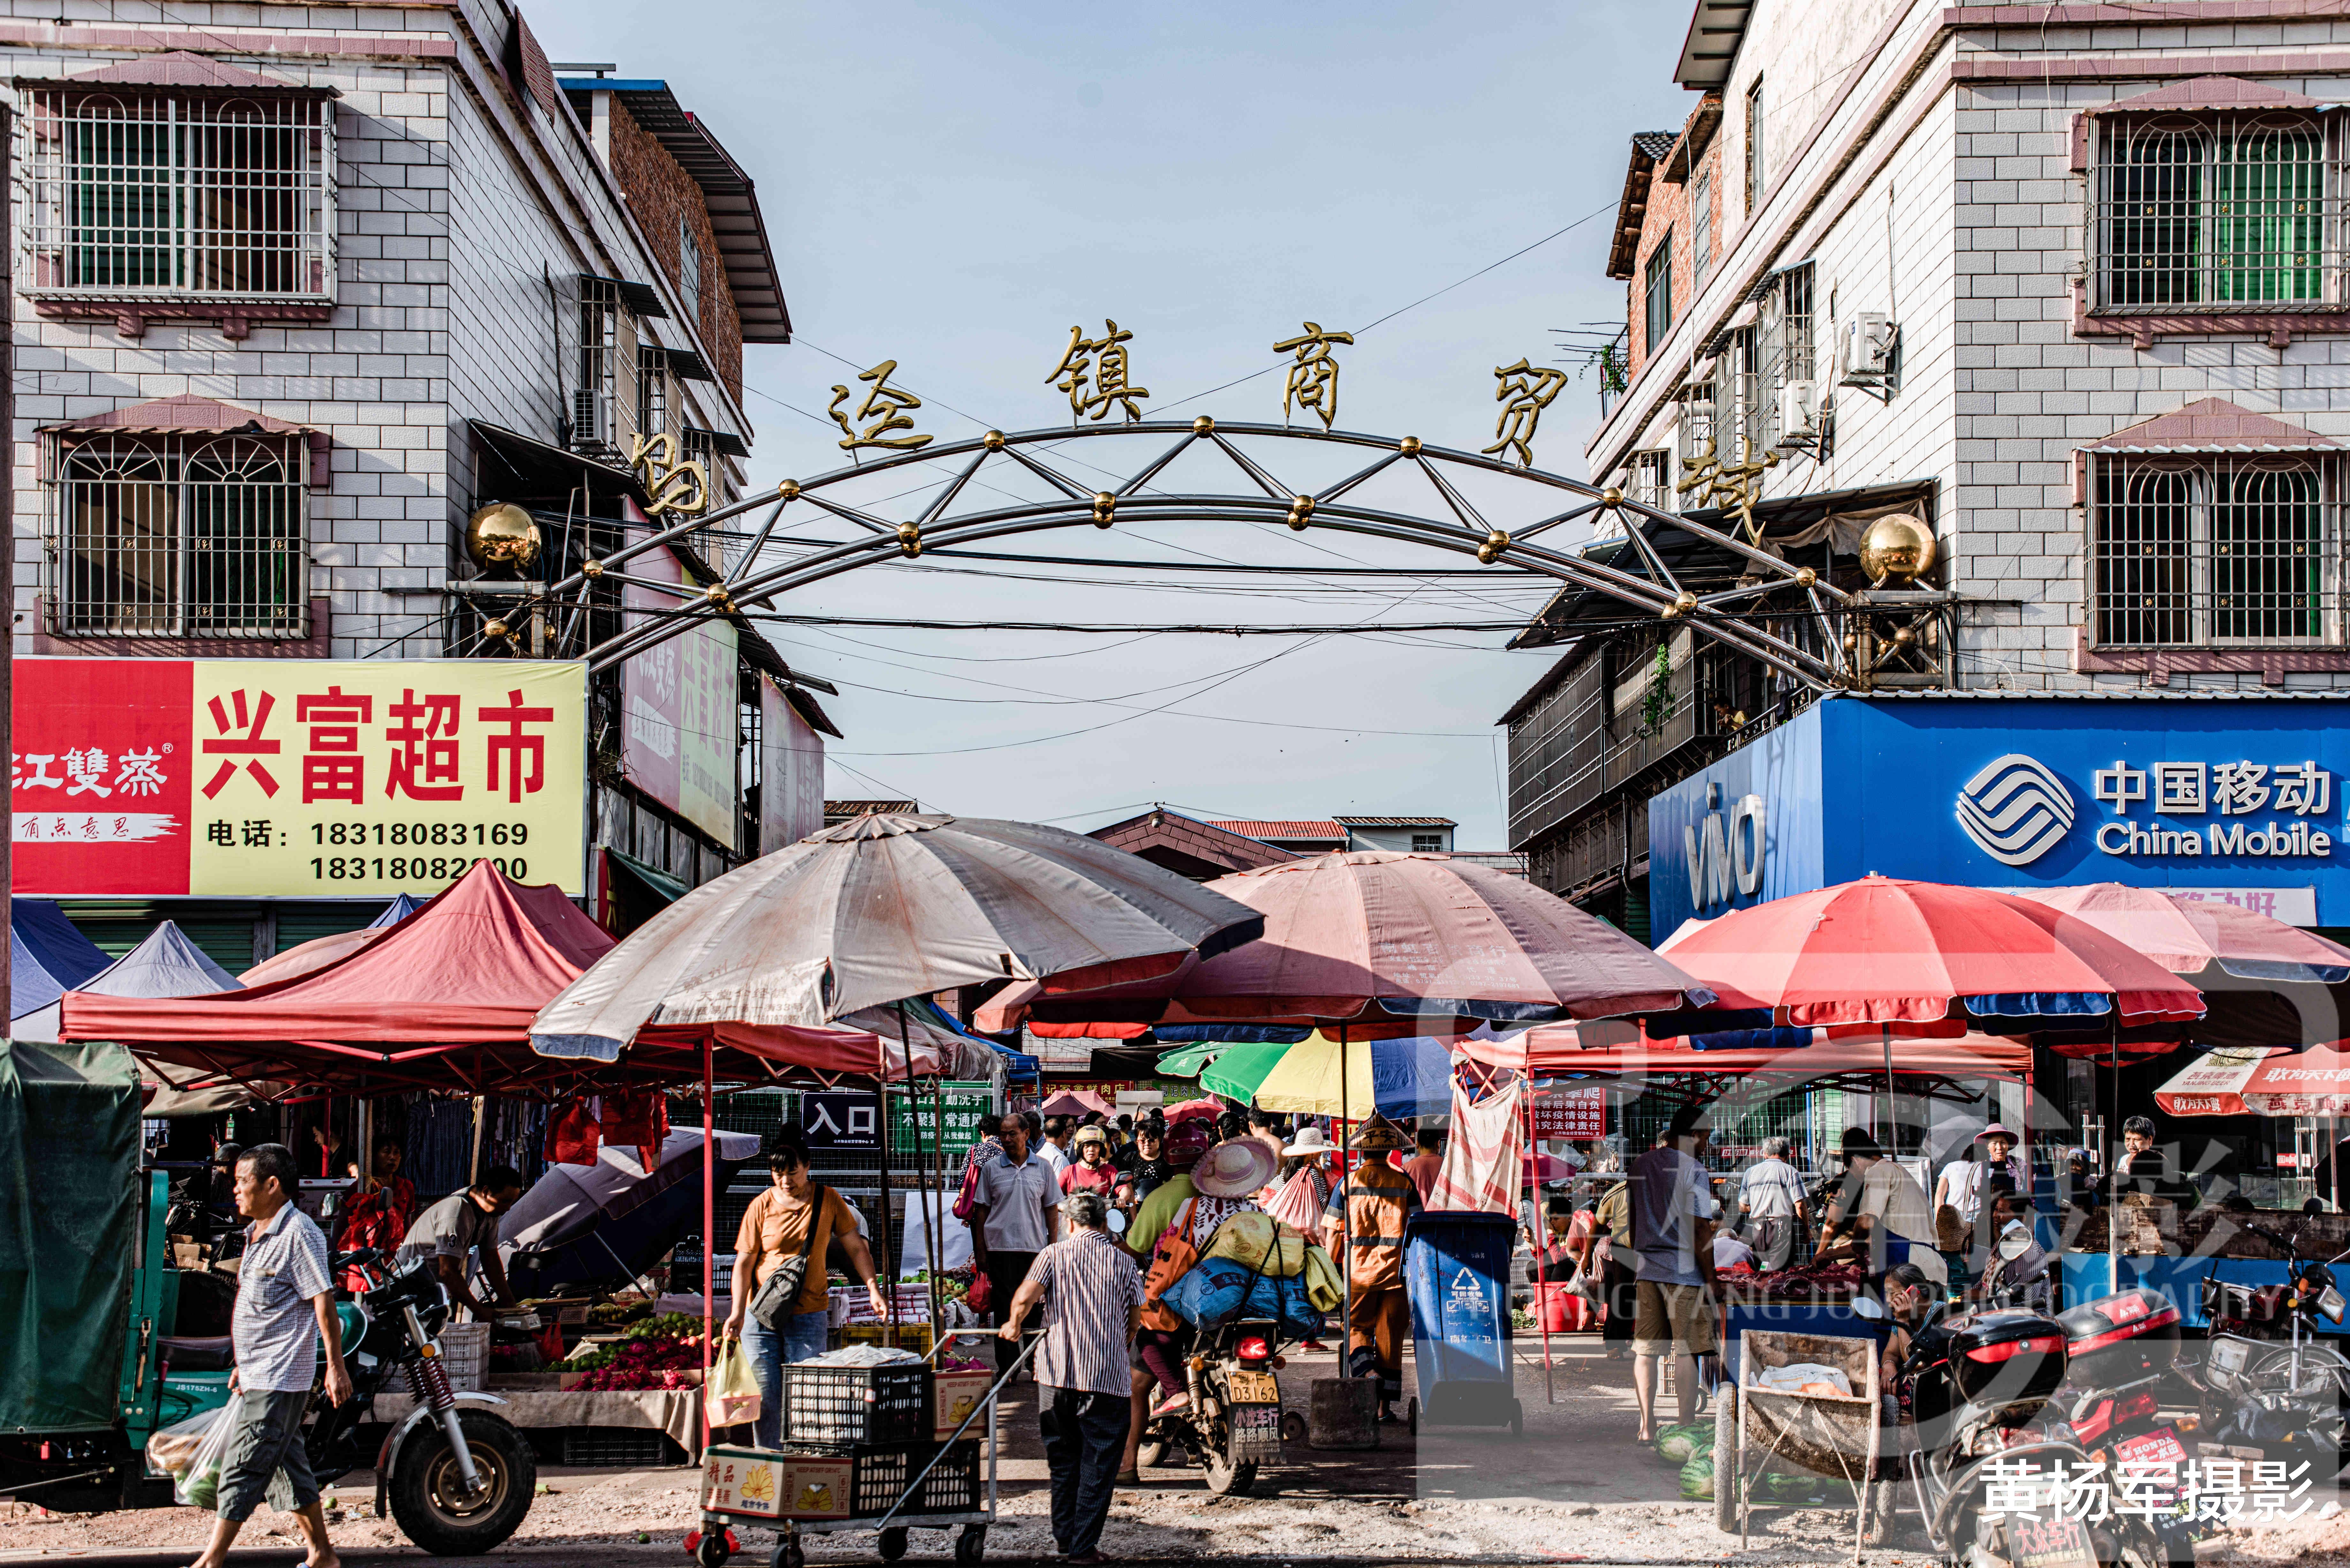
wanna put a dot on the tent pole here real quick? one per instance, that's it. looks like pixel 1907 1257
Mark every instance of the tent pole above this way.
pixel 883 1268
pixel 938 1202
pixel 929 1230
pixel 2113 1164
pixel 1541 1232
pixel 1346 1228
pixel 709 1225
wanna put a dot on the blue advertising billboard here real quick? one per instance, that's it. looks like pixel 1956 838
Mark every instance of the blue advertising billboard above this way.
pixel 2238 799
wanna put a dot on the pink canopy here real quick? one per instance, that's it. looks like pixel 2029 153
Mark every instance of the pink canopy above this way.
pixel 1895 954
pixel 1076 1102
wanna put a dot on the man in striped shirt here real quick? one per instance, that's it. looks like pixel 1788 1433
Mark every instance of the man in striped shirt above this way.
pixel 1092 1293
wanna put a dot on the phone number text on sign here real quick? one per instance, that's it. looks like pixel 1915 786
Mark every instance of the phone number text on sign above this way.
pixel 268 777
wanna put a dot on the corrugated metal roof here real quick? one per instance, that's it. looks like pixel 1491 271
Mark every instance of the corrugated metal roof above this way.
pixel 1394 822
pixel 1280 830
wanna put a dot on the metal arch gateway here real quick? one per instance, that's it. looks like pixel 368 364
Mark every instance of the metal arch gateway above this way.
pixel 1450 523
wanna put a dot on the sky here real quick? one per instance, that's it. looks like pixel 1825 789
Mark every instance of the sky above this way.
pixel 953 187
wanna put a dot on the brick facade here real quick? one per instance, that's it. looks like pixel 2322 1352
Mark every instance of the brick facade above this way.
pixel 663 195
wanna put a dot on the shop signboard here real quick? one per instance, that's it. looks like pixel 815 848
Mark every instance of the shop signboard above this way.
pixel 295 777
pixel 679 704
pixel 2241 801
pixel 1572 1114
pixel 791 772
pixel 913 1122
pixel 840 1120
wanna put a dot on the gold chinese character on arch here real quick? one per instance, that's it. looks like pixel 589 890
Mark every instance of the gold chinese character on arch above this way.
pixel 1313 381
pixel 1104 363
pixel 886 409
pixel 1734 486
pixel 670 486
pixel 1524 393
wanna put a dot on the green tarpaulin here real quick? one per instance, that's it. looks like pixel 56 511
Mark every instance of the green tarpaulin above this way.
pixel 70 1206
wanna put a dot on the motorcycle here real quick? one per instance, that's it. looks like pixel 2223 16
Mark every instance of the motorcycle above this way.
pixel 1979 1386
pixel 456 1476
pixel 2266 1400
pixel 1228 1420
pixel 2119 1350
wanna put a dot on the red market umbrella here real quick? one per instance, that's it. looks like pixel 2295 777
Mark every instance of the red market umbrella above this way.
pixel 2300 1083
pixel 1211 1109
pixel 1900 955
pixel 2213 1084
pixel 2263 982
pixel 1076 1102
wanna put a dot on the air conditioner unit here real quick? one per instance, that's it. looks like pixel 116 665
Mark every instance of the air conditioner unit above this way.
pixel 1799 412
pixel 1865 349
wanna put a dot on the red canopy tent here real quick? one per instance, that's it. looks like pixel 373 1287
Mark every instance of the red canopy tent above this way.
pixel 444 1000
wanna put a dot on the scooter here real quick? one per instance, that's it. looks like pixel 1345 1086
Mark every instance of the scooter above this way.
pixel 1229 1419
pixel 1978 1386
pixel 458 1481
pixel 2119 1349
pixel 2269 1400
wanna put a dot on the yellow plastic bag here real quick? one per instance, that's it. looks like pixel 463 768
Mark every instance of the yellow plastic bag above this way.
pixel 731 1396
pixel 1256 1240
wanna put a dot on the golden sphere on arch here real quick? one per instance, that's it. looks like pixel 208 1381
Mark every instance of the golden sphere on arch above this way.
pixel 501 535
pixel 1408 446
pixel 1203 425
pixel 789 490
pixel 1611 496
pixel 992 441
pixel 1897 549
pixel 495 630
pixel 1805 577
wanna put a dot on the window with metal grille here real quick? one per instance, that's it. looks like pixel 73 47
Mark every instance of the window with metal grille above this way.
pixel 1757 169
pixel 180 537
pixel 1648 478
pixel 1657 299
pixel 139 197
pixel 1701 415
pixel 1701 199
pixel 2242 551
pixel 689 267
pixel 603 398
pixel 1428 843
pixel 657 399
pixel 1778 350
pixel 2215 214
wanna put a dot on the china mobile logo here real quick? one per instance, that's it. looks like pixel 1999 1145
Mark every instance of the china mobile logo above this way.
pixel 2015 810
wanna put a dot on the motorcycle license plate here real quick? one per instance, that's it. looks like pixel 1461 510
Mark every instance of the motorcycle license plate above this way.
pixel 2156 1462
pixel 1254 1389
pixel 2049 1543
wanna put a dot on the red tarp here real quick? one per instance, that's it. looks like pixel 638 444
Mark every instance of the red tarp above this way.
pixel 446 999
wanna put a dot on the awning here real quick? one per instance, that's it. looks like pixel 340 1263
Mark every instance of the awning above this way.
pixel 669 889
pixel 2213 1084
pixel 512 466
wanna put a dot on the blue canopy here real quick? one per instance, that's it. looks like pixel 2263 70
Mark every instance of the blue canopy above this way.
pixel 166 964
pixel 47 956
pixel 1411 1077
pixel 399 909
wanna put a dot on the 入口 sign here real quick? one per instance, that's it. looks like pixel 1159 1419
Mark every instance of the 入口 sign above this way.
pixel 294 778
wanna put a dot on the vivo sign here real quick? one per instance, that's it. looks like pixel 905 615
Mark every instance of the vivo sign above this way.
pixel 1725 853
pixel 2241 800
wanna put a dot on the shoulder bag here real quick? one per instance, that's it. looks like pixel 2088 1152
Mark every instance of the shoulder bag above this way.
pixel 776 1299
pixel 1170 1260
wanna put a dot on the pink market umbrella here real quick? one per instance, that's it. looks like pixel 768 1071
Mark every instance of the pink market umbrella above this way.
pixel 2263 982
pixel 1076 1102
pixel 1211 1109
pixel 2300 1083
pixel 2213 1084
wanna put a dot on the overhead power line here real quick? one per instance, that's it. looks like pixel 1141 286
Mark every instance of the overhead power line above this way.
pixel 1131 628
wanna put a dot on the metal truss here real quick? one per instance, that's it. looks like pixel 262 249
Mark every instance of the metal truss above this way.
pixel 1448 521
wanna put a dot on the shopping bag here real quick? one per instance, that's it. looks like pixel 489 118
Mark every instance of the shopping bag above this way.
pixel 1294 1204
pixel 980 1296
pixel 199 1485
pixel 732 1396
pixel 171 1451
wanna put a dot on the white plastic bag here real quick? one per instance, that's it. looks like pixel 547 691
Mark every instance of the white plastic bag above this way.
pixel 1805 1376
pixel 171 1451
pixel 199 1485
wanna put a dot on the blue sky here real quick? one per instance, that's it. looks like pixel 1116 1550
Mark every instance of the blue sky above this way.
pixel 954 187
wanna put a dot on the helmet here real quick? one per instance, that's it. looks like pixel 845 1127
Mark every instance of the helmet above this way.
pixel 1187 1140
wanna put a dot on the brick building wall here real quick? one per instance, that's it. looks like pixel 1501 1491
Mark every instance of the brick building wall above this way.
pixel 663 195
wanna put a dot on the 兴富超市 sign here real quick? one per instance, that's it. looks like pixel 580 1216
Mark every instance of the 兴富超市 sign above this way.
pixel 294 778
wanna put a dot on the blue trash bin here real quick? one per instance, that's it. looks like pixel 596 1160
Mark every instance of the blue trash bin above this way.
pixel 1457 1274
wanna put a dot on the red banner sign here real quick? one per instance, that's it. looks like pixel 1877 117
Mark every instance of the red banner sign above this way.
pixel 1572 1114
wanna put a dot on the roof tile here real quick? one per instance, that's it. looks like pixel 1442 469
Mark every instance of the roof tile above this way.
pixel 2214 424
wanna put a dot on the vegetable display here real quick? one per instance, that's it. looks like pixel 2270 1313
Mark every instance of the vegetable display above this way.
pixel 660 1352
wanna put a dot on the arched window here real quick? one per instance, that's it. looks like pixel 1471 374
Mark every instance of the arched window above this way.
pixel 177 536
pixel 2225 551
pixel 2215 212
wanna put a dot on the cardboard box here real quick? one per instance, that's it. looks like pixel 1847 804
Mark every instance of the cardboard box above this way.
pixel 955 1394
pixel 762 1484
pixel 913 1336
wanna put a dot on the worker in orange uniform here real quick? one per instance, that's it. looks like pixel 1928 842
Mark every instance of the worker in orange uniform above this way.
pixel 1364 1223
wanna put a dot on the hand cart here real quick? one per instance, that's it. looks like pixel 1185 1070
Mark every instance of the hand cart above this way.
pixel 1833 1435
pixel 797 1492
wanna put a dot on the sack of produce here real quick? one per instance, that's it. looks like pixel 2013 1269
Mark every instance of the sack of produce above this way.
pixel 199 1485
pixel 1806 1377
pixel 1259 1241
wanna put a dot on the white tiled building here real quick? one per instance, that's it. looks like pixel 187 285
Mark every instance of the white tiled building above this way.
pixel 2067 284
pixel 375 234
pixel 2045 228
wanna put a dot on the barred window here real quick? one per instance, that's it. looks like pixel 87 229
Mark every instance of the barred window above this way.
pixel 604 397
pixel 140 196
pixel 1648 478
pixel 1657 299
pixel 2216 214
pixel 2224 551
pixel 172 536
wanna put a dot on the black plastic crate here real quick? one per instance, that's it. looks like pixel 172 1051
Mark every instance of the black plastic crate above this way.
pixel 621 1447
pixel 880 1475
pixel 838 1406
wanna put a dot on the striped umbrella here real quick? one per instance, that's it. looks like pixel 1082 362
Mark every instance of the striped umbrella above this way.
pixel 1411 1077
